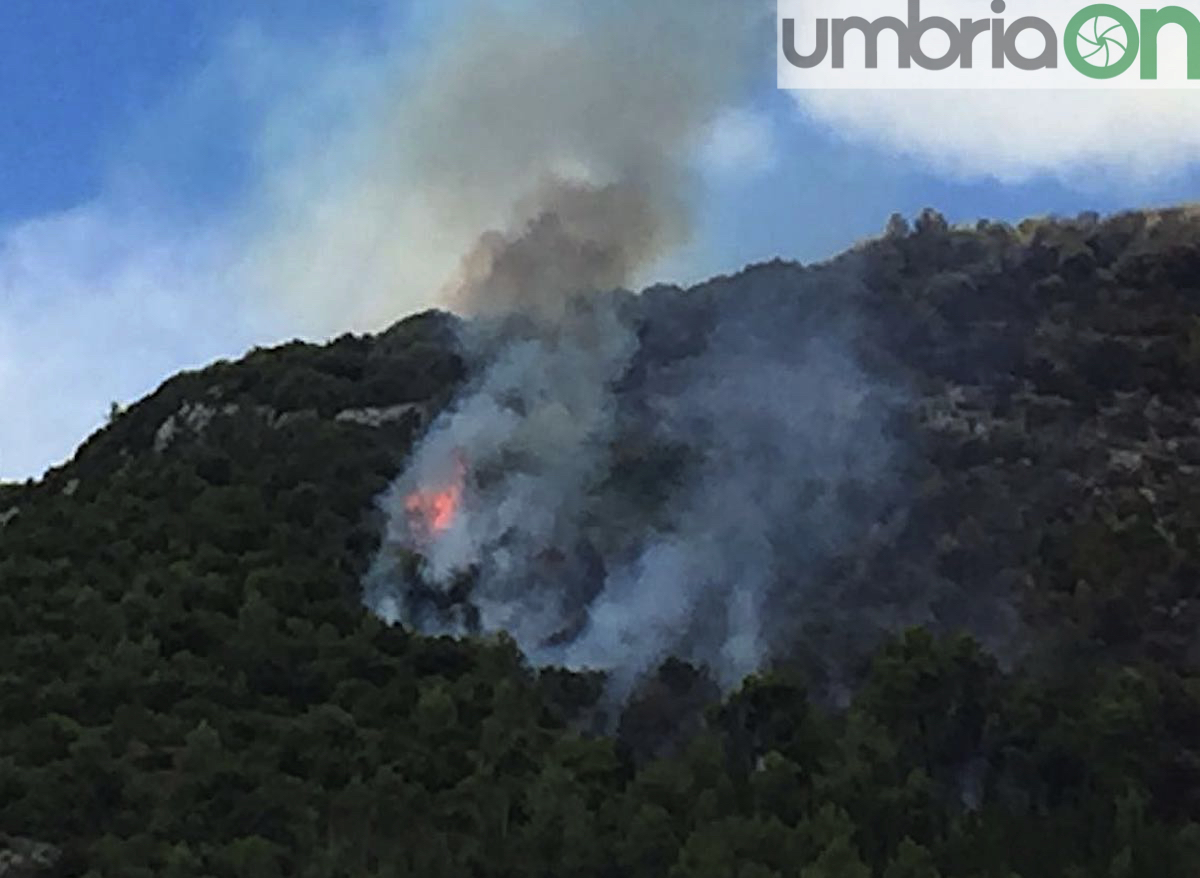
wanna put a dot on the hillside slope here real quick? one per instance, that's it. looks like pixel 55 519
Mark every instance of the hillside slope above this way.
pixel 189 684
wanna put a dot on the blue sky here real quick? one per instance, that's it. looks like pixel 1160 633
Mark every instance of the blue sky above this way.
pixel 141 142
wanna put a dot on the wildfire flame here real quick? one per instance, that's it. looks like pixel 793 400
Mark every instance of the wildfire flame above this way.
pixel 431 511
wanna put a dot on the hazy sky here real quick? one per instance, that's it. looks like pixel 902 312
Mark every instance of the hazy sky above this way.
pixel 149 152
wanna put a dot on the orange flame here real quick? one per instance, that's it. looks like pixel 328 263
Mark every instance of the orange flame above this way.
pixel 431 512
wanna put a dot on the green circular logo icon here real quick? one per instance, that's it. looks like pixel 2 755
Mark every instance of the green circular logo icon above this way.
pixel 1101 41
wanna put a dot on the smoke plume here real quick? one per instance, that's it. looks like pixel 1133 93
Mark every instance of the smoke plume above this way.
pixel 642 477
pixel 580 120
pixel 625 477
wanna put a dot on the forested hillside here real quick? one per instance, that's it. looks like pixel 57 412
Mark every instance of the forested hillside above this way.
pixel 190 685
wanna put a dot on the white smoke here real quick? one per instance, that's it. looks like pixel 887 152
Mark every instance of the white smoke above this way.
pixel 747 451
pixel 620 502
pixel 778 428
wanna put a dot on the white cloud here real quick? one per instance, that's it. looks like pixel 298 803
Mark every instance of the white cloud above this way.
pixel 1090 139
pixel 96 309
pixel 740 141
pixel 101 303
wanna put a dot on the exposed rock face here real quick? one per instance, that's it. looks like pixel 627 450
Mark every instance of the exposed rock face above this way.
pixel 192 417
pixel 390 381
pixel 377 417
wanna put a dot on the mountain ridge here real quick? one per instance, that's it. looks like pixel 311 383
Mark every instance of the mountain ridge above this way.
pixel 191 684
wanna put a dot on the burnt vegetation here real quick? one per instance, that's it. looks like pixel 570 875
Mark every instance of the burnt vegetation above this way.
pixel 189 684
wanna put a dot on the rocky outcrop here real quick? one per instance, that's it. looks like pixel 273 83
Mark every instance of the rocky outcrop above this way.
pixel 193 419
pixel 377 417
